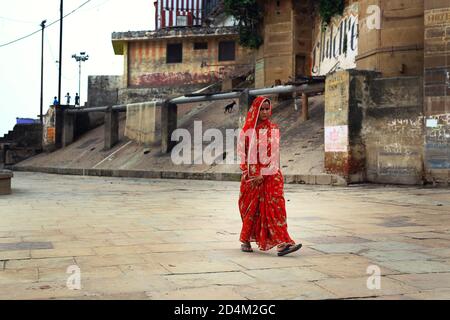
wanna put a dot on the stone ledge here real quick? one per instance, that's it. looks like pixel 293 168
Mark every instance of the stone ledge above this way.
pixel 5 182
pixel 321 179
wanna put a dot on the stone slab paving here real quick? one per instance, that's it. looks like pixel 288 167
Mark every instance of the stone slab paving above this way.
pixel 178 239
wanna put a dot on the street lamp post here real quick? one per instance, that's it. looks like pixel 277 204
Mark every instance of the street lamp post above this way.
pixel 42 72
pixel 61 11
pixel 80 58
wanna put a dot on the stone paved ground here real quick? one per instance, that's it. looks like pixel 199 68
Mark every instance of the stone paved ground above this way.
pixel 172 239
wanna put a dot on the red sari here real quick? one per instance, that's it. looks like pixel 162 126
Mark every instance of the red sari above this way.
pixel 262 207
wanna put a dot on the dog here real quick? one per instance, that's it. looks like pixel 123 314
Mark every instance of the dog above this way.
pixel 229 107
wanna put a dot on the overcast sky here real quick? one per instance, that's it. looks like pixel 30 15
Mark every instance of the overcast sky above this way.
pixel 88 29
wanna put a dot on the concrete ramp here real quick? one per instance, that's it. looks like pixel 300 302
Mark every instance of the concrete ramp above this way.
pixel 302 154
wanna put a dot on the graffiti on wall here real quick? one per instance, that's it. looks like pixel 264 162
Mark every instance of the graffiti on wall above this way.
pixel 394 148
pixel 336 47
pixel 406 128
pixel 437 145
pixel 399 152
pixel 162 79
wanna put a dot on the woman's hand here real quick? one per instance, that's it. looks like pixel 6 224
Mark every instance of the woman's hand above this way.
pixel 258 181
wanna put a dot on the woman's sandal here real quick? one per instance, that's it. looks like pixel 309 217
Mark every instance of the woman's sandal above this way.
pixel 246 247
pixel 289 249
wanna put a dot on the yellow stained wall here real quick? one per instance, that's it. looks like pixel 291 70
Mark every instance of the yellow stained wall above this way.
pixel 147 67
pixel 397 48
pixel 275 58
pixel 303 20
pixel 289 29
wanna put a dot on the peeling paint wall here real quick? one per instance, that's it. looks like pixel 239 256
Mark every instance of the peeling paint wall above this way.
pixel 337 45
pixel 392 130
pixel 147 66
pixel 437 91
pixel 337 95
pixel 344 98
pixel 295 39
pixel 103 90
pixel 381 121
pixel 133 95
pixel 48 132
pixel 405 127
pixel 437 145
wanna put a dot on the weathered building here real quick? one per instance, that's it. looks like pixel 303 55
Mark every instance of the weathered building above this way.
pixel 437 90
pixel 392 125
pixel 377 35
pixel 387 116
pixel 374 127
pixel 287 32
pixel 391 37
pixel 178 60
pixel 387 65
pixel 185 53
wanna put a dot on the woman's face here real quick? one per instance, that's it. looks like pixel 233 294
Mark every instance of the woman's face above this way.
pixel 264 112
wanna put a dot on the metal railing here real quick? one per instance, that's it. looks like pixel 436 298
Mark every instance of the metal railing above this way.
pixel 305 88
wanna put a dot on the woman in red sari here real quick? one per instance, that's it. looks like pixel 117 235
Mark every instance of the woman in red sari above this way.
pixel 261 199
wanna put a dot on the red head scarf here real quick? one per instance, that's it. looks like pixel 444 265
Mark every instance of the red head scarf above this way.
pixel 253 114
pixel 247 138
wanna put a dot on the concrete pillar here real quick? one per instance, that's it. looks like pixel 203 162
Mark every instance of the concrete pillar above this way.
pixel 48 130
pixel 111 128
pixel 344 149
pixel 5 182
pixel 305 107
pixel 59 125
pixel 168 125
pixel 5 148
pixel 68 128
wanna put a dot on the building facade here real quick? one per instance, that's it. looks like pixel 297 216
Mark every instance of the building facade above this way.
pixel 387 65
pixel 377 35
pixel 185 53
pixel 179 60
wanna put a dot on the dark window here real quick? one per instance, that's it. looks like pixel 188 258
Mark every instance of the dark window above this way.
pixel 174 53
pixel 200 45
pixel 227 51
